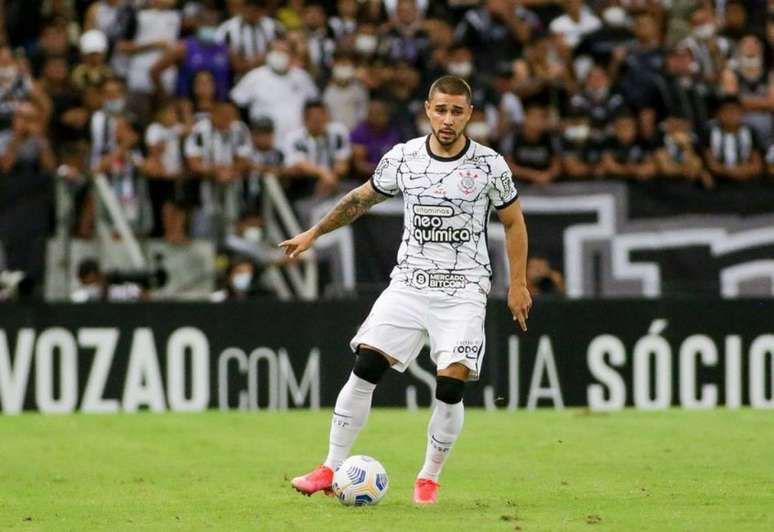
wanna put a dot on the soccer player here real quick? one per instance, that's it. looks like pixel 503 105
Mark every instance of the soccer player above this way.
pixel 440 284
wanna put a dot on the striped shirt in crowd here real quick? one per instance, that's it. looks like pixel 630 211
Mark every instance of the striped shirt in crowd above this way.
pixel 324 150
pixel 249 40
pixel 219 147
pixel 732 148
pixel 103 136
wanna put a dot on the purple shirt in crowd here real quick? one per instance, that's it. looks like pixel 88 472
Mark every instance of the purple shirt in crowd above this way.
pixel 377 143
pixel 204 56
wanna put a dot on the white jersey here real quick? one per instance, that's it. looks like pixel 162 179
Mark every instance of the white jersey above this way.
pixel 447 202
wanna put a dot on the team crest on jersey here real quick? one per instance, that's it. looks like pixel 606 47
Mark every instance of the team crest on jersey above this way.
pixel 467 182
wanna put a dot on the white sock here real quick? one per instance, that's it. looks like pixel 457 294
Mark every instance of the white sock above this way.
pixel 444 428
pixel 349 416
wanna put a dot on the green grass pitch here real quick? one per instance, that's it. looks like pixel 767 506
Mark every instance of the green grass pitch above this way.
pixel 543 470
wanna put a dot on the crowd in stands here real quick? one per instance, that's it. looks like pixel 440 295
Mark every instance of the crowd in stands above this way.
pixel 186 106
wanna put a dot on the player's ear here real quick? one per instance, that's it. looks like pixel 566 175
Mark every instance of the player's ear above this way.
pixel 427 108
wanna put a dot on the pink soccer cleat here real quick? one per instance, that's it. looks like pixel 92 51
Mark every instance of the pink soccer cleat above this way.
pixel 318 480
pixel 426 491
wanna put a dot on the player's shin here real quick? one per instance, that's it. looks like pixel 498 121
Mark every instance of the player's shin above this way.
pixel 349 416
pixel 354 403
pixel 444 427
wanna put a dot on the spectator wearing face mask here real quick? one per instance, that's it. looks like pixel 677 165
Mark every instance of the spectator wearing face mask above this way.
pixel 249 35
pixel 102 125
pixel 241 283
pixel 732 149
pixel 679 157
pixel 372 138
pixel 344 95
pixel 581 153
pixel 599 102
pixel 367 42
pixel 200 51
pixel 748 78
pixel 709 50
pixel 276 90
pixel 625 156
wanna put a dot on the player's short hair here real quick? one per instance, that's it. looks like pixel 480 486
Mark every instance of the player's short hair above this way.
pixel 450 85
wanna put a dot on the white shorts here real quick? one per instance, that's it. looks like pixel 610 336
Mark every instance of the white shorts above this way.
pixel 403 318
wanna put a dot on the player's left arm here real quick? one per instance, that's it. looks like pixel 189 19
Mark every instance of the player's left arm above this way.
pixel 519 299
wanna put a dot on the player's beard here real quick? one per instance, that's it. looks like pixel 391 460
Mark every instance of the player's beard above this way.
pixel 446 143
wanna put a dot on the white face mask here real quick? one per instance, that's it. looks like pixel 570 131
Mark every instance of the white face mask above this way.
pixel 253 234
pixel 705 31
pixel 478 130
pixel 366 44
pixel 343 72
pixel 747 62
pixel 278 61
pixel 578 132
pixel 461 69
pixel 241 281
pixel 615 16
pixel 114 106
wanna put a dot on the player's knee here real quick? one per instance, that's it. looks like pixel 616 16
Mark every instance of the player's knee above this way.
pixel 449 390
pixel 370 365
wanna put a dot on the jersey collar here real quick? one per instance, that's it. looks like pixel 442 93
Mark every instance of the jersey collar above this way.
pixel 462 152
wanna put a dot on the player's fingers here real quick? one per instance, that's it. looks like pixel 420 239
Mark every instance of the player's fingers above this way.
pixel 522 319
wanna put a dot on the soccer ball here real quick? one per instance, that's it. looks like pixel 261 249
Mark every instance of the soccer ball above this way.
pixel 361 480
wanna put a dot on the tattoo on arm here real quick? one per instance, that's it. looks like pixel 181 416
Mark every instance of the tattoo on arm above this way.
pixel 350 208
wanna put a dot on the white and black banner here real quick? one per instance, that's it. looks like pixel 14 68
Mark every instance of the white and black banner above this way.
pixel 607 355
pixel 608 239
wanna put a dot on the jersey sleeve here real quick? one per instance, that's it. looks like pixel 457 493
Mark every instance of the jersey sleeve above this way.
pixel 503 191
pixel 385 177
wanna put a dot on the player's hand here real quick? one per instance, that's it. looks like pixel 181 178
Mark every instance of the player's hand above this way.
pixel 519 301
pixel 299 243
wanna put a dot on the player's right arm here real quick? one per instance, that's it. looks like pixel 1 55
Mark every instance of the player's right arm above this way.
pixel 347 210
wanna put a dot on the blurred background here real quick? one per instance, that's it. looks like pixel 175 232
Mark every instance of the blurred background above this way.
pixel 159 150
